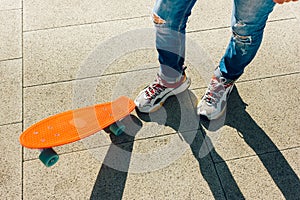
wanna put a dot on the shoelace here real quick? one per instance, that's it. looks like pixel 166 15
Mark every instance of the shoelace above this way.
pixel 153 90
pixel 216 90
pixel 157 87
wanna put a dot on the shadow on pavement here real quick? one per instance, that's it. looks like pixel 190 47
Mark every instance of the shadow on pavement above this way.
pixel 179 113
pixel 181 116
pixel 272 159
pixel 111 180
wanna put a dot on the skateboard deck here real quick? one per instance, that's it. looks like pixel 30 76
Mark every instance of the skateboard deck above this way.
pixel 74 125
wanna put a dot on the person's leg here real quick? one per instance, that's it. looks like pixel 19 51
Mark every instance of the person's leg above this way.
pixel 170 18
pixel 248 23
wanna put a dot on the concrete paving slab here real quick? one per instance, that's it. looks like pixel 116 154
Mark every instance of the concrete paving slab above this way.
pixel 214 42
pixel 141 59
pixel 56 55
pixel 45 100
pixel 10 35
pixel 11 162
pixel 280 40
pixel 11 91
pixel 292 157
pixel 281 12
pixel 43 14
pixel 10 4
pixel 163 155
pixel 207 15
pixel 269 54
pixel 76 174
pixel 71 178
pixel 266 177
pixel 69 57
pixel 295 7
pixel 259 123
pixel 188 177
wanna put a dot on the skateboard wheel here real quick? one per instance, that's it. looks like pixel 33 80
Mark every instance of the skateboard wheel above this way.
pixel 48 157
pixel 117 129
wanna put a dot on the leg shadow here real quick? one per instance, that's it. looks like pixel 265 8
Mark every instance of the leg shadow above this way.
pixel 111 180
pixel 272 159
pixel 180 115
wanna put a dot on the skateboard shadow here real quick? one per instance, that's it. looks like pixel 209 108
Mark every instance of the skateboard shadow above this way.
pixel 111 179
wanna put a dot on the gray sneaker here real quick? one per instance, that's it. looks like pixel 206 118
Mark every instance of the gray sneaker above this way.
pixel 213 103
pixel 153 96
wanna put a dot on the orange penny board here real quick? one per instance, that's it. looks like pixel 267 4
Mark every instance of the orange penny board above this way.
pixel 73 125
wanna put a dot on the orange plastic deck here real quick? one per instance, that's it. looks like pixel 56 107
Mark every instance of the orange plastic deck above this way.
pixel 74 125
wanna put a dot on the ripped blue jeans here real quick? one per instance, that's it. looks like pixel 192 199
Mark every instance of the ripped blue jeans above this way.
pixel 248 22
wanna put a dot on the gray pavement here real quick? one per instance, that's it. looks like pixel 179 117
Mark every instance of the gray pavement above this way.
pixel 61 55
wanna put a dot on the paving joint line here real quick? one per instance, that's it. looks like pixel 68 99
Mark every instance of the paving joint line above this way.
pixel 208 29
pixel 11 123
pixel 85 24
pixel 87 78
pixel 257 155
pixel 283 19
pixel 118 143
pixel 214 164
pixel 226 27
pixel 11 9
pixel 268 77
pixel 10 59
pixel 255 79
pixel 101 146
pixel 130 18
pixel 22 44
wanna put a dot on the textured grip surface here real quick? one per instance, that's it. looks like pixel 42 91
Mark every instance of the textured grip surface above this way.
pixel 74 125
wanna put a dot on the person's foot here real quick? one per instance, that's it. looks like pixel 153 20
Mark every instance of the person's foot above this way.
pixel 213 103
pixel 153 96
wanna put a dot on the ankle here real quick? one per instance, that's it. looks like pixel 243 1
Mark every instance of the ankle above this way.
pixel 173 83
